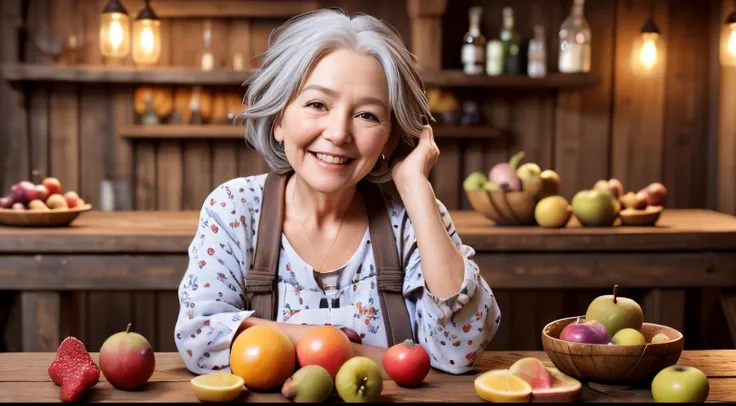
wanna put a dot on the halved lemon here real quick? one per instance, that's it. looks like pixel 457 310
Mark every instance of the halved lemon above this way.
pixel 217 387
pixel 501 386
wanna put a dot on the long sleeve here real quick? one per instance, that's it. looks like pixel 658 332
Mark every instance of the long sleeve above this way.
pixel 211 294
pixel 454 330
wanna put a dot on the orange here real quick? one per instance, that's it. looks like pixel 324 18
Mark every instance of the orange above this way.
pixel 501 386
pixel 217 387
pixel 263 356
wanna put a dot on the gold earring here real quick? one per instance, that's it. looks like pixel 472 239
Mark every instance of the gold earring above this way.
pixel 383 156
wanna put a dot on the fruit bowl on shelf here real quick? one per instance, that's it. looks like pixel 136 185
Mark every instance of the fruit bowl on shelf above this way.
pixel 641 217
pixel 507 208
pixel 41 218
pixel 612 364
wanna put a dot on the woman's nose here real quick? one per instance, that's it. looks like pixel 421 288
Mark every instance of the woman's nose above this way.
pixel 338 130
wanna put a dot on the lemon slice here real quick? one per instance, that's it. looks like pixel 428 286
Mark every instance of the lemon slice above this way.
pixel 217 387
pixel 501 386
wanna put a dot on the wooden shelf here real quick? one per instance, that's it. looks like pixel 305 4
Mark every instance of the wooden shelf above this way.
pixel 224 131
pixel 457 78
pixel 232 9
pixel 105 74
pixel 188 76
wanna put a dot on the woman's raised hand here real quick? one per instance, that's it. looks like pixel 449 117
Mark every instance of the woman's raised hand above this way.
pixel 420 160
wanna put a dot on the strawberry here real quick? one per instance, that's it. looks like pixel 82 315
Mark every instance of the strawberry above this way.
pixel 73 370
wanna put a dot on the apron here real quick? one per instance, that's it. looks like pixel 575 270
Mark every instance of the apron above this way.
pixel 261 288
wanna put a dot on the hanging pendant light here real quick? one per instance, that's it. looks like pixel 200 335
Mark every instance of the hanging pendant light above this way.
pixel 728 40
pixel 114 30
pixel 146 37
pixel 646 58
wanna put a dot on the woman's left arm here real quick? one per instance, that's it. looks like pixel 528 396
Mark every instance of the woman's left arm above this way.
pixel 454 312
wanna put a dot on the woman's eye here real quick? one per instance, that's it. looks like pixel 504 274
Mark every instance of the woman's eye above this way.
pixel 316 105
pixel 368 116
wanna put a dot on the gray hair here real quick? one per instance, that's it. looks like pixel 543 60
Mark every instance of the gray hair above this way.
pixel 295 47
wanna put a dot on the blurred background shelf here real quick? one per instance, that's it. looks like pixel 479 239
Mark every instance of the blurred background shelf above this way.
pixel 225 131
pixel 17 72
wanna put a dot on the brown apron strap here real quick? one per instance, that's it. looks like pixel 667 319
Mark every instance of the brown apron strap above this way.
pixel 389 271
pixel 261 289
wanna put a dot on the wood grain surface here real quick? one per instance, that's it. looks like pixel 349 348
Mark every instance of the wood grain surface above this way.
pixel 24 377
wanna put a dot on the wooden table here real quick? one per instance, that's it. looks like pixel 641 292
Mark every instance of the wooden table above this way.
pixel 142 251
pixel 24 378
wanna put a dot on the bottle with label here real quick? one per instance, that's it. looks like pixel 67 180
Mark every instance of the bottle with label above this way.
pixel 510 41
pixel 473 51
pixel 537 54
pixel 494 58
pixel 575 41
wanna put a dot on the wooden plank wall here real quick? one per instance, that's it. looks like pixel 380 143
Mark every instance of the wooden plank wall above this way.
pixel 639 130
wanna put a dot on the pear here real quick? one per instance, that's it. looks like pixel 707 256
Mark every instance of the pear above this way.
pixel 310 384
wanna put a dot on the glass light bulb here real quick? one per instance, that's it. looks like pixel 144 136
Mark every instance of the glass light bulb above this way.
pixel 732 43
pixel 116 34
pixel 728 45
pixel 648 56
pixel 147 39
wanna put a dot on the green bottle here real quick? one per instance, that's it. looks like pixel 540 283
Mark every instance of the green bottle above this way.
pixel 510 40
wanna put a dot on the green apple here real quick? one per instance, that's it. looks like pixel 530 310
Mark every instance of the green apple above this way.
pixel 680 384
pixel 359 380
pixel 529 170
pixel 552 212
pixel 594 208
pixel 475 181
pixel 628 336
pixel 616 313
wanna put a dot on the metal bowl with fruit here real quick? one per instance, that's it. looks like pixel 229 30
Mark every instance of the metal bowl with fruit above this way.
pixel 41 205
pixel 583 347
pixel 509 196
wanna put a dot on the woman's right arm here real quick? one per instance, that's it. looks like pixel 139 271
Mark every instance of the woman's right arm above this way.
pixel 211 294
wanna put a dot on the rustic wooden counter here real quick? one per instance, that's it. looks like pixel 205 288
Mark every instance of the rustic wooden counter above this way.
pixel 145 251
pixel 24 378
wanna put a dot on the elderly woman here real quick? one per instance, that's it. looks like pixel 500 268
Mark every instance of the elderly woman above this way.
pixel 334 103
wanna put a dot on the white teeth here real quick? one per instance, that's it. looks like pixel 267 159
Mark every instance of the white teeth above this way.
pixel 331 159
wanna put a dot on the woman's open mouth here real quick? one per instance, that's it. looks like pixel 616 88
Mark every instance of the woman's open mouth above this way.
pixel 331 160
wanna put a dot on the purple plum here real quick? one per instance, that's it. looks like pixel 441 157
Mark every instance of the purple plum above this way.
pixel 586 332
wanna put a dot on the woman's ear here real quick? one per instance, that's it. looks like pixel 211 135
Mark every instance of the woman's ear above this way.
pixel 278 131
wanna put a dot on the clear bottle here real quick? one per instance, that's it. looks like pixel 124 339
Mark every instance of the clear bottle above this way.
pixel 510 40
pixel 207 59
pixel 473 51
pixel 537 54
pixel 575 40
pixel 494 58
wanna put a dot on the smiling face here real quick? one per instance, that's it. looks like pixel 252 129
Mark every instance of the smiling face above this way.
pixel 339 124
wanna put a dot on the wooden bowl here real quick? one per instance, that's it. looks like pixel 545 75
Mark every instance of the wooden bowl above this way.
pixel 38 218
pixel 644 217
pixel 612 364
pixel 507 208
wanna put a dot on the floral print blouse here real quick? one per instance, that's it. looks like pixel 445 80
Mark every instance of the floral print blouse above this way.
pixel 454 330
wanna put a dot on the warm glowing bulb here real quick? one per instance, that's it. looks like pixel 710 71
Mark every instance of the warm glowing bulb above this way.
pixel 732 43
pixel 147 39
pixel 648 54
pixel 116 34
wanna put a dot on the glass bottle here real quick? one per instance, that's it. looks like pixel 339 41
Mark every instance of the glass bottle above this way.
pixel 207 60
pixel 575 41
pixel 537 54
pixel 473 51
pixel 510 40
pixel 494 58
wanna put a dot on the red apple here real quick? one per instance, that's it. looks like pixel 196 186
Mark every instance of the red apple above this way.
pixel 127 359
pixel 52 185
pixel 407 363
pixel 656 194
pixel 22 192
pixel 6 202
pixel 72 199
pixel 326 346
pixel 353 336
pixel 42 193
